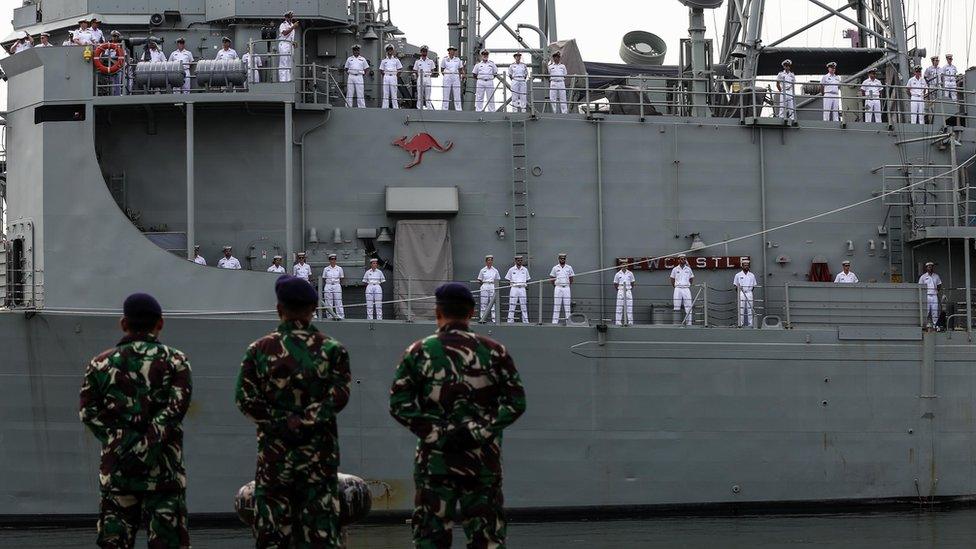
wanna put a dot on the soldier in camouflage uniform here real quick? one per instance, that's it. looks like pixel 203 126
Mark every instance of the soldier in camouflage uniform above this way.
pixel 292 384
pixel 456 390
pixel 133 400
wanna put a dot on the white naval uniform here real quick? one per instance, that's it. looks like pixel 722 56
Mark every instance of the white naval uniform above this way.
pixel 156 56
pixel 917 89
pixel 950 83
pixel 488 277
pixel 846 278
pixel 831 97
pixel 625 297
pixel 374 293
pixel 931 283
pixel 557 88
pixel 302 271
pixel 872 99
pixel 42 45
pixel 485 72
pixel 185 58
pixel 518 277
pixel 744 282
pixel 199 260
pixel 518 73
pixel 424 69
pixel 682 291
pixel 21 45
pixel 933 76
pixel 451 68
pixel 253 64
pixel 560 293
pixel 82 37
pixel 97 35
pixel 332 289
pixel 355 69
pixel 390 66
pixel 787 95
pixel 286 40
pixel 229 263
pixel 280 269
pixel 228 54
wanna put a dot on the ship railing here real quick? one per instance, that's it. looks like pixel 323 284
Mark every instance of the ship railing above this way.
pixel 20 288
pixel 822 304
pixel 940 200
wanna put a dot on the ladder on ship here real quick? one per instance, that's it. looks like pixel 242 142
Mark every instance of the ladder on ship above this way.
pixel 520 191
pixel 896 243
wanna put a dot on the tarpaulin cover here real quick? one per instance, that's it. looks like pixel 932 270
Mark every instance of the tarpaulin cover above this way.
pixel 423 259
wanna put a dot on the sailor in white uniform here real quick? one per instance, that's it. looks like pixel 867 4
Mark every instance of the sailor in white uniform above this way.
pixel 254 63
pixel 228 261
pixel 287 36
pixel 70 40
pixel 301 269
pixel 785 83
pixel 918 89
pixel 933 74
pixel 846 276
pixel 744 281
pixel 488 278
pixel 45 41
pixel 557 84
pixel 390 66
pixel 22 44
pixel 97 35
pixel 185 57
pixel 374 291
pixel 424 69
pixel 518 73
pixel 452 68
pixel 226 52
pixel 197 258
pixel 561 276
pixel 332 276
pixel 356 67
pixel 831 93
pixel 518 277
pixel 682 278
pixel 276 266
pixel 871 90
pixel 950 80
pixel 485 72
pixel 154 54
pixel 624 282
pixel 82 36
pixel 933 287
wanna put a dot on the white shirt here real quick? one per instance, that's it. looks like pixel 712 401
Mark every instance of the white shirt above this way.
pixel 390 66
pixel 948 75
pixel 518 71
pixel 831 84
pixel 276 269
pixel 786 81
pixel 933 75
pixel 424 67
pixel 22 45
pixel 374 277
pixel 561 273
pixel 83 37
pixel 97 36
pixel 229 53
pixel 517 276
pixel 302 270
pixel 871 88
pixel 682 276
pixel 488 276
pixel 485 70
pixel 286 32
pixel 199 260
pixel 356 65
pixel 917 86
pixel 451 65
pixel 157 56
pixel 744 281
pixel 253 64
pixel 557 72
pixel 183 56
pixel 930 281
pixel 624 279
pixel 229 263
pixel 332 275
pixel 846 278
pixel 43 45
pixel 68 42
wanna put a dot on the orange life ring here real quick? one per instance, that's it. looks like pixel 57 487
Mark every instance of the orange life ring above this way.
pixel 116 66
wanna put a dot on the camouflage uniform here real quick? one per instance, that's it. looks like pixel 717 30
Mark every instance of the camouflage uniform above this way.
pixel 133 400
pixel 456 391
pixel 292 383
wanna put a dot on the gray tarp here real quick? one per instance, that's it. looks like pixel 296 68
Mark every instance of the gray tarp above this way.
pixel 422 258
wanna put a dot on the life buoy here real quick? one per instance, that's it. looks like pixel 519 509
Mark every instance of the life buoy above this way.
pixel 116 65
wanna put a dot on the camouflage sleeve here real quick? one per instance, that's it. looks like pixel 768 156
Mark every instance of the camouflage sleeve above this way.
pixel 250 399
pixel 335 391
pixel 404 401
pixel 511 398
pixel 181 388
pixel 91 410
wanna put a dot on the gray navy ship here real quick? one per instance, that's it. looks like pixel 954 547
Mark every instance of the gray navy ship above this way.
pixel 118 163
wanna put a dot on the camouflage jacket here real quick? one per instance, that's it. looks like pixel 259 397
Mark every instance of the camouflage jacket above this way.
pixel 292 384
pixel 457 390
pixel 133 400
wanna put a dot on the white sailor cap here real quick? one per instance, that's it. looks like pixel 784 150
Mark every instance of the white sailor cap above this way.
pixel 225 39
pixel 289 12
pixel 787 62
pixel 356 47
pixel 333 256
pixel 517 54
pixel 485 52
pixel 948 56
pixel 519 257
pixel 845 262
pixel 832 64
pixel 196 246
pixel 117 33
pixel 390 47
pixel 934 58
pixel 228 247
pixel 45 34
pixel 682 256
pixel 489 256
pixel 745 262
pixel 300 254
pixel 927 263
pixel 918 68
pixel 374 260
pixel 277 257
pixel 449 48
pixel 424 48
pixel 82 21
pixel 561 254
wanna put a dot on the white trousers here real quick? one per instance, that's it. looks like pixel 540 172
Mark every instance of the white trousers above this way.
pixel 560 301
pixel 918 110
pixel 557 97
pixel 485 95
pixel 516 296
pixel 745 308
pixel 354 87
pixel 950 93
pixel 285 62
pixel 423 92
pixel 831 108
pixel 787 106
pixel 520 95
pixel 487 292
pixel 682 302
pixel 872 110
pixel 374 301
pixel 452 87
pixel 625 300
pixel 933 308
pixel 333 299
pixel 390 91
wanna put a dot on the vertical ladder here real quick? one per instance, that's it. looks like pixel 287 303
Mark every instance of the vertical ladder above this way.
pixel 896 244
pixel 520 191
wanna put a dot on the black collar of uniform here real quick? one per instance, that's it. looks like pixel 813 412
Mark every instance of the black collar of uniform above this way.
pixel 130 338
pixel 459 325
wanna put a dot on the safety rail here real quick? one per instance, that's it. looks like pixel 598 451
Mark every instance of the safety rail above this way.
pixel 20 286
pixel 931 195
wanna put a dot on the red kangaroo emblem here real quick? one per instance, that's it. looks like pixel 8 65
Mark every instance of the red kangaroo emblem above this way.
pixel 418 145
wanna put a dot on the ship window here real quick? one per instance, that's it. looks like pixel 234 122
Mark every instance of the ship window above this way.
pixel 59 113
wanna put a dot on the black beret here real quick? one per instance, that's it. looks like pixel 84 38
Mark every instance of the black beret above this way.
pixel 452 292
pixel 141 306
pixel 294 292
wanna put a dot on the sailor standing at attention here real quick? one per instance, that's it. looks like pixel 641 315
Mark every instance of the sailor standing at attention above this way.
pixel 950 81
pixel 301 269
pixel 557 84
pixel 82 36
pixel 561 276
pixel 488 276
pixel 933 74
pixel 744 281
pixel 518 277
pixel 228 261
pixel 917 89
pixel 452 68
pixel 871 90
pixel 390 67
pixel 624 282
pixel 485 72
pixel 933 287
pixel 785 83
pixel 846 276
pixel 424 69
pixel 518 73
pixel 831 93
pixel 185 59
pixel 276 266
pixel 356 66
pixel 46 42
pixel 97 35
pixel 682 278
pixel 374 291
pixel 225 53
pixel 332 276
pixel 197 258
pixel 22 44
pixel 287 36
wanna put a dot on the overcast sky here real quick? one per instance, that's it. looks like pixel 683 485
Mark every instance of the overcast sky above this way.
pixel 943 25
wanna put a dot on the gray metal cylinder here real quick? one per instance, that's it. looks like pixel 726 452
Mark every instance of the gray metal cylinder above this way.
pixel 222 72
pixel 158 75
pixel 643 48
